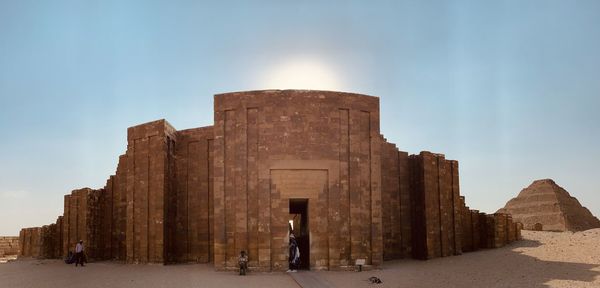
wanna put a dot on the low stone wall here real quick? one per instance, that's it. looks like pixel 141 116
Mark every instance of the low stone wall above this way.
pixel 9 245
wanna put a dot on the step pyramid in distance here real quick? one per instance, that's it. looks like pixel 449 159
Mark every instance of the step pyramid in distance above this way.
pixel 544 205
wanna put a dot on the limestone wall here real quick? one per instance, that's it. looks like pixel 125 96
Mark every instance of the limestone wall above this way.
pixel 82 220
pixel 9 245
pixel 435 206
pixel 441 224
pixel 150 151
pixel 395 203
pixel 117 188
pixel 189 219
pixel 30 240
pixel 204 194
pixel 272 146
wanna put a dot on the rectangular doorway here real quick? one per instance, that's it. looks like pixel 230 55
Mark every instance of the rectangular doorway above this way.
pixel 298 224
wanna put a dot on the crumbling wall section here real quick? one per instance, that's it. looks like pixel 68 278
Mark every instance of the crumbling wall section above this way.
pixel 9 245
pixel 30 241
pixel 49 241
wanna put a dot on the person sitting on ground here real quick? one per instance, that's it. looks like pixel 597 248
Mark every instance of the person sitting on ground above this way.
pixel 79 253
pixel 70 258
pixel 243 262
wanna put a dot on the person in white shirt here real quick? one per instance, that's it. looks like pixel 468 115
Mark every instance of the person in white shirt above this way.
pixel 79 253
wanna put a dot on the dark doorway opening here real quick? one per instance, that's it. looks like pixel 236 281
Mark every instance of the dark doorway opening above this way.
pixel 298 224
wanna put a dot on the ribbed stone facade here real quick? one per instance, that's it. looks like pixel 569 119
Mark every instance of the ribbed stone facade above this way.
pixel 273 159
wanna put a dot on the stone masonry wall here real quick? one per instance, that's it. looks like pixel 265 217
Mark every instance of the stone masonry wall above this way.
pixel 82 220
pixel 9 245
pixel 201 195
pixel 149 151
pixel 30 240
pixel 395 203
pixel 441 224
pixel 436 206
pixel 190 221
pixel 272 146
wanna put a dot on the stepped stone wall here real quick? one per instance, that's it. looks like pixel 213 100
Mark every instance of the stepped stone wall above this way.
pixel 201 195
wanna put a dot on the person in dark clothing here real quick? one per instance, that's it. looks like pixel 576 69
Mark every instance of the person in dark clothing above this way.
pixel 79 253
pixel 243 262
pixel 294 254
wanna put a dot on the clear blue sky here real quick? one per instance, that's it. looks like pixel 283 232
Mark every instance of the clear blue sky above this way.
pixel 511 89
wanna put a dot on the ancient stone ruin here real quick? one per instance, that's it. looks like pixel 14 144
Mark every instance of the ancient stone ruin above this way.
pixel 310 161
pixel 9 246
pixel 546 206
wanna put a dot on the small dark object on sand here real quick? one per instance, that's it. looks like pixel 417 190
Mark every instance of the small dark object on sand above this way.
pixel 375 280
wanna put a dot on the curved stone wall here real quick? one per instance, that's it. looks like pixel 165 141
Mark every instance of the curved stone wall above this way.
pixel 272 146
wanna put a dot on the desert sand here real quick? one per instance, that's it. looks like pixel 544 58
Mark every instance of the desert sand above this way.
pixel 542 259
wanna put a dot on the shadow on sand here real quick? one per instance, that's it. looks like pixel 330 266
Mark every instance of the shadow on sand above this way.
pixel 503 267
pixel 536 273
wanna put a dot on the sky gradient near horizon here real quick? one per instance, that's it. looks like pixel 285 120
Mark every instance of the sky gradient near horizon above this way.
pixel 509 88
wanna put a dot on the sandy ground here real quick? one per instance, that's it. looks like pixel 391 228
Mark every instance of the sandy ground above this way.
pixel 543 259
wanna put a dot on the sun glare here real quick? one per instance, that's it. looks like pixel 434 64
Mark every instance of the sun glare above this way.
pixel 302 74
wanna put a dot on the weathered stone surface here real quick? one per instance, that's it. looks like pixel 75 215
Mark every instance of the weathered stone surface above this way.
pixel 30 241
pixel 299 132
pixel 82 220
pixel 436 206
pixel 483 231
pixel 500 231
pixel 551 207
pixel 204 194
pixel 9 245
pixel 475 228
pixel 150 152
pixel 188 219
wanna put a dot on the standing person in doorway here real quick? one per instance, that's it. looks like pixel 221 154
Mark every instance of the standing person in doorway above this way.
pixel 79 253
pixel 294 254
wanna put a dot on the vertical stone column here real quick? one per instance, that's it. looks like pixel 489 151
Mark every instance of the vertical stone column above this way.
pixel 22 243
pixel 456 205
pixel 476 229
pixel 500 231
pixel 390 204
pixel 120 201
pixel 59 252
pixel 147 187
pixel 518 228
pixel 436 206
pixel 107 226
pixel 446 206
pixel 66 227
pixel 491 231
pixel 483 236
pixel 344 190
pixel 405 205
pixel 467 229
pixel 510 230
pixel 188 220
